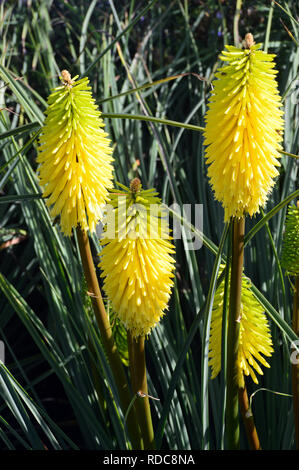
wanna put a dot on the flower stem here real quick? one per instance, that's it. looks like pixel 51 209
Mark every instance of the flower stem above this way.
pixel 107 336
pixel 295 367
pixel 236 22
pixel 248 420
pixel 232 408
pixel 139 385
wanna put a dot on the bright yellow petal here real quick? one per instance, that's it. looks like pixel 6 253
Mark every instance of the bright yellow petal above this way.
pixel 243 131
pixel 75 157
pixel 137 269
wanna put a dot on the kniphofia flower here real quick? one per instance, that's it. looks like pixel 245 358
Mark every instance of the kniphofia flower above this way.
pixel 290 248
pixel 254 339
pixel 75 156
pixel 137 258
pixel 243 130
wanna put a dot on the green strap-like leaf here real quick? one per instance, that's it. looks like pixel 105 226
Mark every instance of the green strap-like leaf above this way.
pixel 269 215
pixel 20 130
pixel 16 86
pixel 19 198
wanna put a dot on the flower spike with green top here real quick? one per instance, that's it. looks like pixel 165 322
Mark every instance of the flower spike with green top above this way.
pixel 243 132
pixel 75 156
pixel 136 258
pixel 76 172
pixel 244 129
pixel 137 266
pixel 290 262
pixel 290 249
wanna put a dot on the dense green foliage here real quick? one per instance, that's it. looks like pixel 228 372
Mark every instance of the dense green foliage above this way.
pixel 53 352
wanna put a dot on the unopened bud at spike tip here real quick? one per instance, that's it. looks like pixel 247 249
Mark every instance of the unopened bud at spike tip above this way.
pixel 66 77
pixel 135 185
pixel 249 41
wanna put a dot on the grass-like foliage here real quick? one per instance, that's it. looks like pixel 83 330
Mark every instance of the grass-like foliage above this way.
pixel 150 65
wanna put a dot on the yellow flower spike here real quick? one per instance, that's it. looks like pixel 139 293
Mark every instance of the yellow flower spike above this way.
pixel 75 156
pixel 290 248
pixel 243 130
pixel 254 340
pixel 136 258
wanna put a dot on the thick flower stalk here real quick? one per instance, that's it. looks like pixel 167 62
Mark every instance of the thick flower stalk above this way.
pixel 243 130
pixel 254 337
pixel 290 261
pixel 75 156
pixel 290 249
pixel 136 258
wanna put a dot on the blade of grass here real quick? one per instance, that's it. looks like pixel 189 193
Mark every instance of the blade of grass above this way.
pixel 167 122
pixel 206 341
pixel 269 215
pixel 48 348
pixel 118 37
pixel 32 110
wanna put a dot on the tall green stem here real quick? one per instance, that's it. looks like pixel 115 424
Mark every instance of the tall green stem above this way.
pixel 232 407
pixel 139 385
pixel 107 337
pixel 295 367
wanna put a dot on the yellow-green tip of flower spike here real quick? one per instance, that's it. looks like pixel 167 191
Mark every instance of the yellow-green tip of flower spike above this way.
pixel 254 339
pixel 137 258
pixel 290 247
pixel 243 130
pixel 75 156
